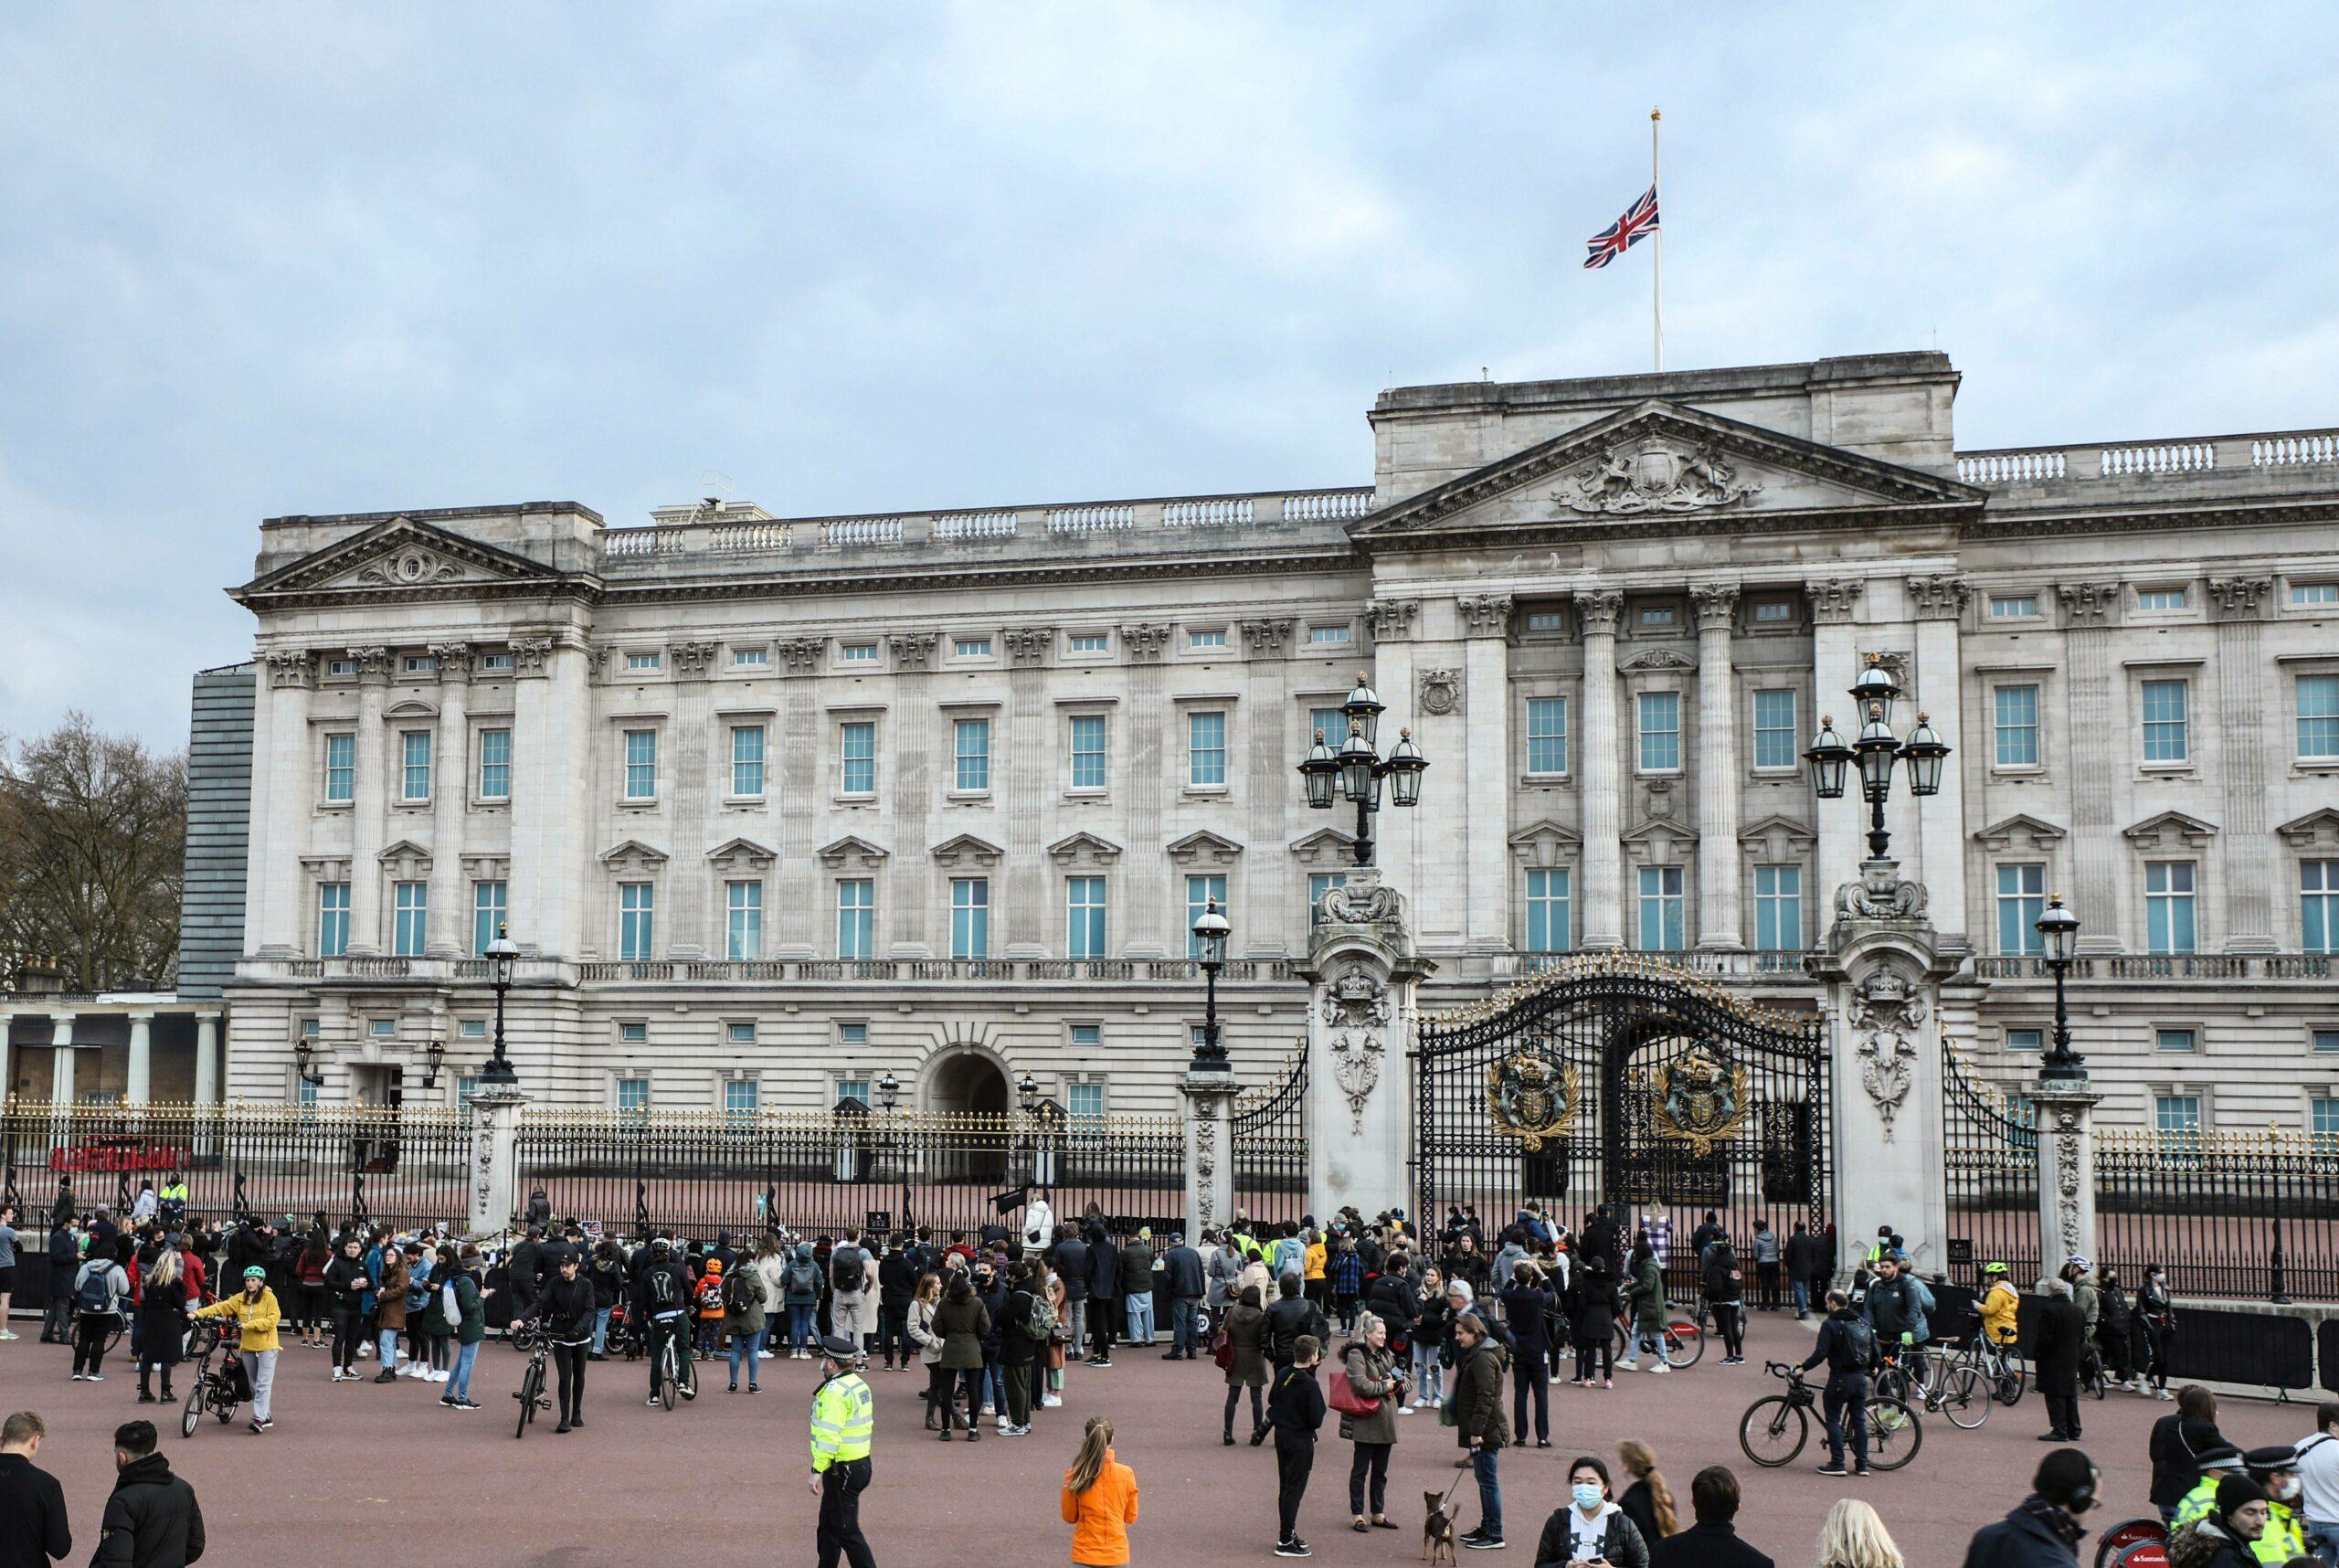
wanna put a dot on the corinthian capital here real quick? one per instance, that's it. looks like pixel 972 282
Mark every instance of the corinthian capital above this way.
pixel 1939 598
pixel 1835 600
pixel 2089 604
pixel 290 668
pixel 1484 614
pixel 451 661
pixel 1596 610
pixel 1717 605
pixel 2241 598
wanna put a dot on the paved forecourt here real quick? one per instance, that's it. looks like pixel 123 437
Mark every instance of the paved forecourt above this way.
pixel 723 1481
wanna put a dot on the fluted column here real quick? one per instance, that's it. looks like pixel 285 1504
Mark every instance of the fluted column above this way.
pixel 1604 850
pixel 1031 914
pixel 451 790
pixel 2240 607
pixel 60 1060
pixel 369 810
pixel 273 909
pixel 1939 604
pixel 553 770
pixel 1835 663
pixel 1145 894
pixel 691 792
pixel 1486 677
pixel 1259 903
pixel 1718 772
pixel 809 765
pixel 138 1084
pixel 206 1058
pixel 2097 730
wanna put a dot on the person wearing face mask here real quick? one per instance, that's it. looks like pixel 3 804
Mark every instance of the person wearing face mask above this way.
pixel 2157 1326
pixel 1591 1530
pixel 2043 1530
pixel 2275 1468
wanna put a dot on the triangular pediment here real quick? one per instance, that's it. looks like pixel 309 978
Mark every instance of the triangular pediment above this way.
pixel 741 853
pixel 1327 849
pixel 399 555
pixel 1084 849
pixel 852 851
pixel 2316 830
pixel 2168 831
pixel 633 852
pixel 405 849
pixel 969 849
pixel 2022 831
pixel 1204 847
pixel 1784 830
pixel 1674 468
pixel 1659 828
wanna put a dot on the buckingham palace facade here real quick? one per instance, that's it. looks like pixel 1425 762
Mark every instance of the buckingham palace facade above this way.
pixel 776 807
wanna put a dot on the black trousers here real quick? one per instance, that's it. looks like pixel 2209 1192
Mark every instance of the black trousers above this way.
pixel 569 1370
pixel 842 1484
pixel 1731 1320
pixel 1233 1395
pixel 1766 1282
pixel 1590 1347
pixel 1102 1312
pixel 1530 1378
pixel 57 1318
pixel 2062 1409
pixel 1844 1403
pixel 1368 1479
pixel 1295 1458
pixel 2119 1358
pixel 894 1334
pixel 89 1339
pixel 346 1322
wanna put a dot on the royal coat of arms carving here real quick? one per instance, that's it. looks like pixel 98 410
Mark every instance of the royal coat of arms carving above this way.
pixel 1356 1014
pixel 1531 1099
pixel 1700 1099
pixel 1886 1013
pixel 1652 475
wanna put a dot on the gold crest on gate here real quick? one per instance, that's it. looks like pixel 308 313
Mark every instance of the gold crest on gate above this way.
pixel 1700 1099
pixel 1531 1099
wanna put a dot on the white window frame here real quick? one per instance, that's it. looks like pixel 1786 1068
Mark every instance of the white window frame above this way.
pixel 1549 898
pixel 1642 734
pixel 856 902
pixel 2157 731
pixel 742 921
pixel 847 731
pixel 2000 729
pixel 970 765
pixel 747 772
pixel 2165 902
pixel 1793 762
pixel 1548 704
pixel 427 770
pixel 633 771
pixel 1780 904
pixel 409 918
pixel 332 920
pixel 637 922
pixel 1075 724
pixel 344 773
pixel 2319 894
pixel 1671 901
pixel 496 906
pixel 2028 906
pixel 1087 904
pixel 2327 751
pixel 1196 753
pixel 970 918
pixel 485 762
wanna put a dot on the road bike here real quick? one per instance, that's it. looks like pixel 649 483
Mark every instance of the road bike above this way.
pixel 677 1370
pixel 1776 1426
pixel 530 1394
pixel 219 1390
pixel 1995 1364
pixel 1684 1342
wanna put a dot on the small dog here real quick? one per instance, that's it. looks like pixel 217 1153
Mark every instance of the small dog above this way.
pixel 1437 1535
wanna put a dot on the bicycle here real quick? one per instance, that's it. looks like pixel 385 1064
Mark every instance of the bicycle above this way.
pixel 1776 1426
pixel 2091 1377
pixel 1960 1390
pixel 1996 1365
pixel 219 1391
pixel 677 1370
pixel 528 1335
pixel 1683 1343
pixel 530 1394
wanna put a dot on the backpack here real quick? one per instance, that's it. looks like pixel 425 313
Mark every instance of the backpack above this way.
pixel 803 1279
pixel 1040 1323
pixel 96 1295
pixel 1855 1348
pixel 659 1286
pixel 848 1273
pixel 736 1296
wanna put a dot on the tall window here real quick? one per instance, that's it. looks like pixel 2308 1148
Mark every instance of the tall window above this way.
pixel 641 764
pixel 496 765
pixel 490 907
pixel 1083 899
pixel 747 759
pixel 409 919
pixel 2022 899
pixel 2319 715
pixel 1778 907
pixel 857 753
pixel 340 767
pixel 743 920
pixel 1319 883
pixel 741 1099
pixel 2018 725
pixel 971 917
pixel 414 775
pixel 856 918
pixel 1088 751
pixel 1205 749
pixel 2169 906
pixel 333 919
pixel 637 922
pixel 2176 1118
pixel 1660 731
pixel 2165 730
pixel 1661 909
pixel 2319 905
pixel 1083 1106
pixel 1547 740
pixel 1549 928
pixel 1774 729
pixel 1200 890
pixel 972 737
pixel 633 1097
pixel 1330 723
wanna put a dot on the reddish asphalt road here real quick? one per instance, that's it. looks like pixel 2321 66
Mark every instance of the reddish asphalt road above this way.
pixel 721 1481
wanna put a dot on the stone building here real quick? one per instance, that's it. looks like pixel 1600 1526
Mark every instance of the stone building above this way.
pixel 777 806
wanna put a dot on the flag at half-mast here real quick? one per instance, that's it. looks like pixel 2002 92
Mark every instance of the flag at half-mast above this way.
pixel 1639 219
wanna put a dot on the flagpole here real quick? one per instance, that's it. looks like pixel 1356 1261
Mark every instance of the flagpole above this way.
pixel 1655 115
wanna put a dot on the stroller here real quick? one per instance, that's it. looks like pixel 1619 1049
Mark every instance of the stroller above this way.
pixel 219 1390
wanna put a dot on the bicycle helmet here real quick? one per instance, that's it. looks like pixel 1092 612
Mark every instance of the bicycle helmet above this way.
pixel 2080 1262
pixel 255 1272
pixel 1990 1268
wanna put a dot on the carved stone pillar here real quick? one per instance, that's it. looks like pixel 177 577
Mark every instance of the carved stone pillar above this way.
pixel 1361 1014
pixel 691 791
pixel 1883 969
pixel 1835 665
pixel 2239 605
pixel 369 812
pixel 60 1060
pixel 1271 756
pixel 1603 852
pixel 1145 889
pixel 138 1085
pixel 1719 775
pixel 206 1058
pixel 495 1135
pixel 2066 1170
pixel 1210 1154
pixel 449 800
pixel 1940 606
pixel 915 726
pixel 2097 732
pixel 280 920
pixel 806 752
pixel 1397 836
pixel 1485 666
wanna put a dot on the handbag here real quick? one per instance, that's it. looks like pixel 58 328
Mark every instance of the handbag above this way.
pixel 1342 1396
pixel 1222 1349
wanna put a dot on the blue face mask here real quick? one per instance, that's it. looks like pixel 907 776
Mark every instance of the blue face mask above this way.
pixel 1587 1496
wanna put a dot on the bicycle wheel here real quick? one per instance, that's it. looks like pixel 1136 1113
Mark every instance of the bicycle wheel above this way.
pixel 668 1385
pixel 1684 1342
pixel 531 1384
pixel 113 1335
pixel 1893 1383
pixel 192 1416
pixel 1961 1397
pixel 2008 1381
pixel 1894 1434
pixel 1774 1430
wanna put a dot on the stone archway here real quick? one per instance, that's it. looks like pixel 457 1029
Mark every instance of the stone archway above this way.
pixel 968 1088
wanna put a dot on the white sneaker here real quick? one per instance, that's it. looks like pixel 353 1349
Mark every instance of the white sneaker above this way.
pixel 1054 1402
pixel 1405 1410
pixel 6 1335
pixel 97 1377
pixel 442 1375
pixel 1659 1367
pixel 764 1354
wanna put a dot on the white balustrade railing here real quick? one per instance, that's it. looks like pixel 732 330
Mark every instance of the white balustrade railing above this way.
pixel 2010 468
pixel 974 525
pixel 1209 511
pixel 2160 457
pixel 1103 518
pixel 862 531
pixel 2292 450
pixel 2262 452
pixel 1327 506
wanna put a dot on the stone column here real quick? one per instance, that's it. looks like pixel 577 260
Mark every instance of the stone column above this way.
pixel 451 790
pixel 2239 605
pixel 1719 774
pixel 1363 974
pixel 137 1088
pixel 1145 893
pixel 2098 735
pixel 1210 1154
pixel 807 753
pixel 1029 913
pixel 60 1060
pixel 206 1058
pixel 369 812
pixel 1397 836
pixel 1490 770
pixel 1835 665
pixel 1596 747
pixel 692 904
pixel 556 763
pixel 277 920
pixel 2066 1170
pixel 1265 873
pixel 7 1058
pixel 495 1133
pixel 1883 968
pixel 1939 603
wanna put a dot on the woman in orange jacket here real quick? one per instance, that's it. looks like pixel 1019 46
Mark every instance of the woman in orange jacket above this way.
pixel 1100 1500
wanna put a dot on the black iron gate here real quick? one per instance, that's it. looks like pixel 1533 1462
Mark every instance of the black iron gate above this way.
pixel 1268 1138
pixel 1618 1079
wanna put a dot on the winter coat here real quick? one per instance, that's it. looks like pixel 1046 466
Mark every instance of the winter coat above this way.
pixel 1480 1419
pixel 432 1324
pixel 993 1298
pixel 2175 1446
pixel 963 1326
pixel 1807 1257
pixel 1101 1516
pixel 2061 1342
pixel 2022 1539
pixel 1225 1268
pixel 896 1279
pixel 922 1332
pixel 256 1320
pixel 1103 1268
pixel 473 1305
pixel 152 1518
pixel 1016 1346
pixel 1246 1331
pixel 1395 1303
pixel 1591 1309
pixel 2114 1318
pixel 566 1309
pixel 1289 1317
pixel 1296 1404
pixel 1706 1546
pixel 32 1525
pixel 748 1318
pixel 1071 1262
pixel 1369 1378
pixel 162 1323
pixel 803 1290
pixel 1181 1274
pixel 1622 1543
pixel 1647 1295
pixel 1720 1276
pixel 396 1276
pixel 1136 1269
pixel 1524 1309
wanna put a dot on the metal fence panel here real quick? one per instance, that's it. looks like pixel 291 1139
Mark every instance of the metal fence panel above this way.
pixel 1267 1136
pixel 2250 1216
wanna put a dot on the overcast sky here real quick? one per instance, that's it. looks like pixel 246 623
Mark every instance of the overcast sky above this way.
pixel 261 259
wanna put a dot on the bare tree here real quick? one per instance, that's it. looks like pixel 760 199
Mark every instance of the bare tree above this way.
pixel 93 853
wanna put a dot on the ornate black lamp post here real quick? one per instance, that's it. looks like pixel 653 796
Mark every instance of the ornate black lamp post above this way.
pixel 2059 932
pixel 1876 750
pixel 1355 770
pixel 1211 929
pixel 502 954
pixel 889 1090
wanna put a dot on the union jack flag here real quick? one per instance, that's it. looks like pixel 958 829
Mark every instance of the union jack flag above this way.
pixel 1640 218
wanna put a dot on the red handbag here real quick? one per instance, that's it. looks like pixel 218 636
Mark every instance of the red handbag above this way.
pixel 1341 1396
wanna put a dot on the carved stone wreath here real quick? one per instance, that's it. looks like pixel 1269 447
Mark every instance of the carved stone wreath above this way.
pixel 1441 692
pixel 1356 1009
pixel 1880 894
pixel 408 567
pixel 1886 1014
pixel 1360 905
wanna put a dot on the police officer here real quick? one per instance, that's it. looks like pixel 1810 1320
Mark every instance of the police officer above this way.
pixel 844 1421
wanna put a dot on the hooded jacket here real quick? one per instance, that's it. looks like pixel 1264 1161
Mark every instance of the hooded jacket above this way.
pixel 152 1518
pixel 1621 1542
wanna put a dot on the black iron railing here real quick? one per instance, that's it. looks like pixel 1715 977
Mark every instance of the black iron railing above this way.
pixel 2248 1215
pixel 1990 1173
pixel 1267 1134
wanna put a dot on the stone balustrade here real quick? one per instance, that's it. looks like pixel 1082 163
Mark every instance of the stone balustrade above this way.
pixel 2182 967
pixel 2284 457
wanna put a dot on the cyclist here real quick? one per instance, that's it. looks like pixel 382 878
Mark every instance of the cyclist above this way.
pixel 1847 1346
pixel 568 1310
pixel 2000 1302
pixel 1896 1307
pixel 661 1300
